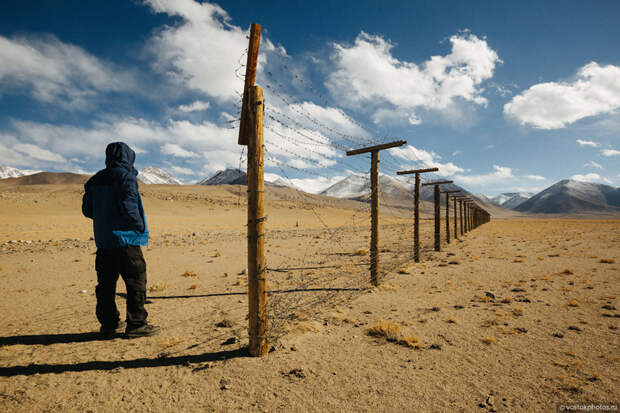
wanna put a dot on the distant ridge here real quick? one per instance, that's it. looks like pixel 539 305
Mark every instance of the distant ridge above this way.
pixel 49 178
pixel 571 196
pixel 226 177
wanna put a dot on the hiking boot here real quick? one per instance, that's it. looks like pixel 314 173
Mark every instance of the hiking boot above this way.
pixel 107 331
pixel 143 331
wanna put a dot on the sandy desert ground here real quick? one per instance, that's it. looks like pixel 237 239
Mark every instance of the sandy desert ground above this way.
pixel 520 314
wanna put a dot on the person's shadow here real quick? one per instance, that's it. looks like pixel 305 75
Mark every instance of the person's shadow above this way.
pixel 47 339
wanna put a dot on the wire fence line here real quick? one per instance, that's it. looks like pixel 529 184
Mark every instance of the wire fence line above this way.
pixel 311 269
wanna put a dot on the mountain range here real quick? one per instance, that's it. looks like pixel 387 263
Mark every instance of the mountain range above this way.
pixel 564 197
pixel 570 196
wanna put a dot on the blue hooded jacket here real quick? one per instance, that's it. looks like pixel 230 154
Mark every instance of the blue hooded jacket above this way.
pixel 113 201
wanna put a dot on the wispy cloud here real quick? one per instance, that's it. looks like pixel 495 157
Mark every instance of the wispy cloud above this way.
pixel 176 150
pixel 610 152
pixel 55 72
pixel 422 158
pixel 535 177
pixel 587 143
pixel 554 105
pixel 499 175
pixel 195 106
pixel 593 164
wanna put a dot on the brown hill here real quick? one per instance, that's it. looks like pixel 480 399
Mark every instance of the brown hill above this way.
pixel 48 178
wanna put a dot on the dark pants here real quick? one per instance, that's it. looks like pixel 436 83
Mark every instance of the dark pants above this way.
pixel 129 263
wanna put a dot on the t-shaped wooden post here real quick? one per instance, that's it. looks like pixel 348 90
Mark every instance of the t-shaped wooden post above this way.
pixel 374 199
pixel 416 210
pixel 437 200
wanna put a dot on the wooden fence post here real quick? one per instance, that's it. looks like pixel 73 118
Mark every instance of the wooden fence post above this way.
pixel 416 210
pixel 374 218
pixel 256 226
pixel 437 198
pixel 374 197
pixel 437 218
pixel 456 229
pixel 461 214
pixel 448 213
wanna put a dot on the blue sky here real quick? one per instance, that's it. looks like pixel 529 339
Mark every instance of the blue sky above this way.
pixel 501 96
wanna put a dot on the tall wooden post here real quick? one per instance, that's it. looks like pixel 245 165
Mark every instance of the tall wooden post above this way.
pixel 416 208
pixel 447 217
pixel 374 218
pixel 437 199
pixel 461 214
pixel 456 222
pixel 416 219
pixel 374 208
pixel 448 213
pixel 437 219
pixel 250 77
pixel 256 226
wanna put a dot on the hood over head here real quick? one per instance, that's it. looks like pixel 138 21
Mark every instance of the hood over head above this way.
pixel 119 154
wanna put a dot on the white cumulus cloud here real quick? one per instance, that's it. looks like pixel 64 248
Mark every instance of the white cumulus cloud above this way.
pixel 554 105
pixel 367 72
pixel 202 50
pixel 610 152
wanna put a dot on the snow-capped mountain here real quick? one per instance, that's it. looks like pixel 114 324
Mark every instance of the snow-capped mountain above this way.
pixel 226 177
pixel 152 175
pixel 283 182
pixel 569 196
pixel 353 186
pixel 511 200
pixel 392 190
pixel 10 172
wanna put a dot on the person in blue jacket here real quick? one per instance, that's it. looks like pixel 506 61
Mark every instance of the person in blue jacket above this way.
pixel 113 202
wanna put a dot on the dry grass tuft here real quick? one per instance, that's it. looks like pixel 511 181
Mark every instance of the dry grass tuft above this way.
pixel 361 252
pixel 518 311
pixel 567 272
pixel 192 287
pixel 489 340
pixel 386 329
pixel 506 300
pixel 171 341
pixel 189 274
pixel 410 341
pixel 404 270
pixel 607 261
pixel 307 326
pixel 217 254
pixel 574 303
pixel 452 320
pixel 157 287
